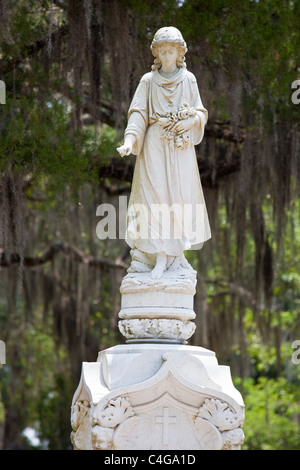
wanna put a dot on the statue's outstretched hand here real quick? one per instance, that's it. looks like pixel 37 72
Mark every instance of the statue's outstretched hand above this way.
pixel 126 148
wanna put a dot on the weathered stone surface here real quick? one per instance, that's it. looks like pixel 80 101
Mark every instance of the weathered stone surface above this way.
pixel 158 309
pixel 156 396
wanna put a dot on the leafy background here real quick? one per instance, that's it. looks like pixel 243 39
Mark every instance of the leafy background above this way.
pixel 70 70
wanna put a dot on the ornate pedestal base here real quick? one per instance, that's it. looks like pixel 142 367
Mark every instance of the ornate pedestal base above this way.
pixel 158 309
pixel 156 396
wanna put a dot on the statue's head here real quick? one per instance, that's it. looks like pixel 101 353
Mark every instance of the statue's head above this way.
pixel 169 35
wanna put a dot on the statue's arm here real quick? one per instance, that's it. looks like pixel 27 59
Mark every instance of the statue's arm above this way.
pixel 138 117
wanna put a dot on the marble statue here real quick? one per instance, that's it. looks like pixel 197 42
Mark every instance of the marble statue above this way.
pixel 166 119
pixel 156 391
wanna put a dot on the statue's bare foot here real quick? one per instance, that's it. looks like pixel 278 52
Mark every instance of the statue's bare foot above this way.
pixel 175 264
pixel 184 263
pixel 160 266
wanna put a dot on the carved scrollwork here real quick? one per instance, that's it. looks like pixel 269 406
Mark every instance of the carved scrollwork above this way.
pixel 105 421
pixel 228 422
pixel 157 328
pixel 80 423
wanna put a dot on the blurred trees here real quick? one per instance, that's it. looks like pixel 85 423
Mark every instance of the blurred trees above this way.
pixel 70 70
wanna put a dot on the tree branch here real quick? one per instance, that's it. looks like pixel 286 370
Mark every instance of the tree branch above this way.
pixel 7 259
pixel 60 3
pixel 9 65
pixel 121 169
pixel 223 130
pixel 245 295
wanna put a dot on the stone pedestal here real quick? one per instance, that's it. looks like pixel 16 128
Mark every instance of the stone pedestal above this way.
pixel 156 396
pixel 158 309
pixel 156 392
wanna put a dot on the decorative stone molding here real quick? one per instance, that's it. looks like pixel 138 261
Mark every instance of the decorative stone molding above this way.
pixel 80 422
pixel 183 281
pixel 216 426
pixel 161 308
pixel 162 329
pixel 106 420
pixel 229 423
pixel 233 439
pixel 156 396
pixel 114 412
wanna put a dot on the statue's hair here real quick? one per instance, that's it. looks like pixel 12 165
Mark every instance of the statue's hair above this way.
pixel 169 35
pixel 181 50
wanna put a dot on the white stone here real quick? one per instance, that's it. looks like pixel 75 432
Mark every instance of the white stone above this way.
pixel 166 119
pixel 174 331
pixel 156 392
pixel 158 309
pixel 166 213
pixel 156 396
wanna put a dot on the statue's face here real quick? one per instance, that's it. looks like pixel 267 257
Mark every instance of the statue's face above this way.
pixel 167 53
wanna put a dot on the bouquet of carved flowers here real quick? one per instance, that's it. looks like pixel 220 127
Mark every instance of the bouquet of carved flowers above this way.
pixel 170 119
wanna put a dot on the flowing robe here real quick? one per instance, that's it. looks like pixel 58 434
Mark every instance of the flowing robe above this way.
pixel 166 177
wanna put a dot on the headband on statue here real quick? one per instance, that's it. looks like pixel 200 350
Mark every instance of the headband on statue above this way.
pixel 168 34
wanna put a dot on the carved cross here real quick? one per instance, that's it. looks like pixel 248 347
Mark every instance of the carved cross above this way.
pixel 165 420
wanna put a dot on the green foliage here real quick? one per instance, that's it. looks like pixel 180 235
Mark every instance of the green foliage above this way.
pixel 260 38
pixel 53 425
pixel 37 383
pixel 2 411
pixel 271 387
pixel 271 414
pixel 255 42
pixel 36 138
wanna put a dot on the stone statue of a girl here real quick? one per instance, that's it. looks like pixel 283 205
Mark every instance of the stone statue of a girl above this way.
pixel 166 119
